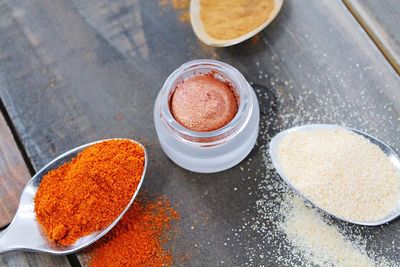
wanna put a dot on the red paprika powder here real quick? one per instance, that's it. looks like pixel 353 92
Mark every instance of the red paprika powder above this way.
pixel 89 193
pixel 139 239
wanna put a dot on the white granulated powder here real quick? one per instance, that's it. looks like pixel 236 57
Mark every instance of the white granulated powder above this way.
pixel 341 172
pixel 321 243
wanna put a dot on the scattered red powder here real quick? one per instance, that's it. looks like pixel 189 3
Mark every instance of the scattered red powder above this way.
pixel 139 239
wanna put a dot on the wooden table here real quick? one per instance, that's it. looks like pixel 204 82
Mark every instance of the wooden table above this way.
pixel 73 71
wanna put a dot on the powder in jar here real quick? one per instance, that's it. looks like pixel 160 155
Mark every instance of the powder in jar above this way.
pixel 228 19
pixel 203 103
pixel 88 193
pixel 341 172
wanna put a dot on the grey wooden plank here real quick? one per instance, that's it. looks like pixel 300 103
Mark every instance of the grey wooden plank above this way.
pixel 380 19
pixel 76 71
pixel 24 259
pixel 13 174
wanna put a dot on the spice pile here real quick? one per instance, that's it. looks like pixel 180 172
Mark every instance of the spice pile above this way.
pixel 139 239
pixel 228 19
pixel 89 193
pixel 342 172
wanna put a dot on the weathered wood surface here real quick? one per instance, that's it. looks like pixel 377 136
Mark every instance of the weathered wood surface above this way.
pixel 381 20
pixel 13 174
pixel 25 259
pixel 74 71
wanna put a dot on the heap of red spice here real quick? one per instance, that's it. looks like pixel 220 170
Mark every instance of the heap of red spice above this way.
pixel 139 239
pixel 89 193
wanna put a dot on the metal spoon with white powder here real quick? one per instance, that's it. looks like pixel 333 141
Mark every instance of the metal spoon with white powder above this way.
pixel 342 171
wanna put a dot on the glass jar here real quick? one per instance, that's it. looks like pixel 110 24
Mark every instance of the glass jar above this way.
pixel 214 151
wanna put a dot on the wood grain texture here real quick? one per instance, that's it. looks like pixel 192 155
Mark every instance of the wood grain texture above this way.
pixel 381 20
pixel 25 259
pixel 75 71
pixel 13 174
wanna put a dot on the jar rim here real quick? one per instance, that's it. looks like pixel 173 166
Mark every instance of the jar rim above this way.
pixel 240 85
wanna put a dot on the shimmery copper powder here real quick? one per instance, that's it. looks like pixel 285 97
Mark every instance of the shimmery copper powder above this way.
pixel 203 103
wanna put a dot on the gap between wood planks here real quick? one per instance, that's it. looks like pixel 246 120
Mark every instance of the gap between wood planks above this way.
pixel 380 43
pixel 18 141
pixel 72 259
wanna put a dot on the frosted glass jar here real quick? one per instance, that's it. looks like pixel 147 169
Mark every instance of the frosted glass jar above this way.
pixel 213 151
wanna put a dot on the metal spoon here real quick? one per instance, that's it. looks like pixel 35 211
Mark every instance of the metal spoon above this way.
pixel 24 233
pixel 200 32
pixel 273 152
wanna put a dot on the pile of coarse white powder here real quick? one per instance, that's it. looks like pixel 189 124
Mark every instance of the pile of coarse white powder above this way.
pixel 341 172
pixel 321 244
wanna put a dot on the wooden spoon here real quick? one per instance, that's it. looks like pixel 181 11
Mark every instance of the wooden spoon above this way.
pixel 201 33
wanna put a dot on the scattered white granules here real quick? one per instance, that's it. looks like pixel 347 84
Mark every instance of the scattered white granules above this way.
pixel 287 101
pixel 341 172
pixel 320 243
pixel 261 240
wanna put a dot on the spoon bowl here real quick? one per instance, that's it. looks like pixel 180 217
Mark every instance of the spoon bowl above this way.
pixel 201 33
pixel 24 232
pixel 393 157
